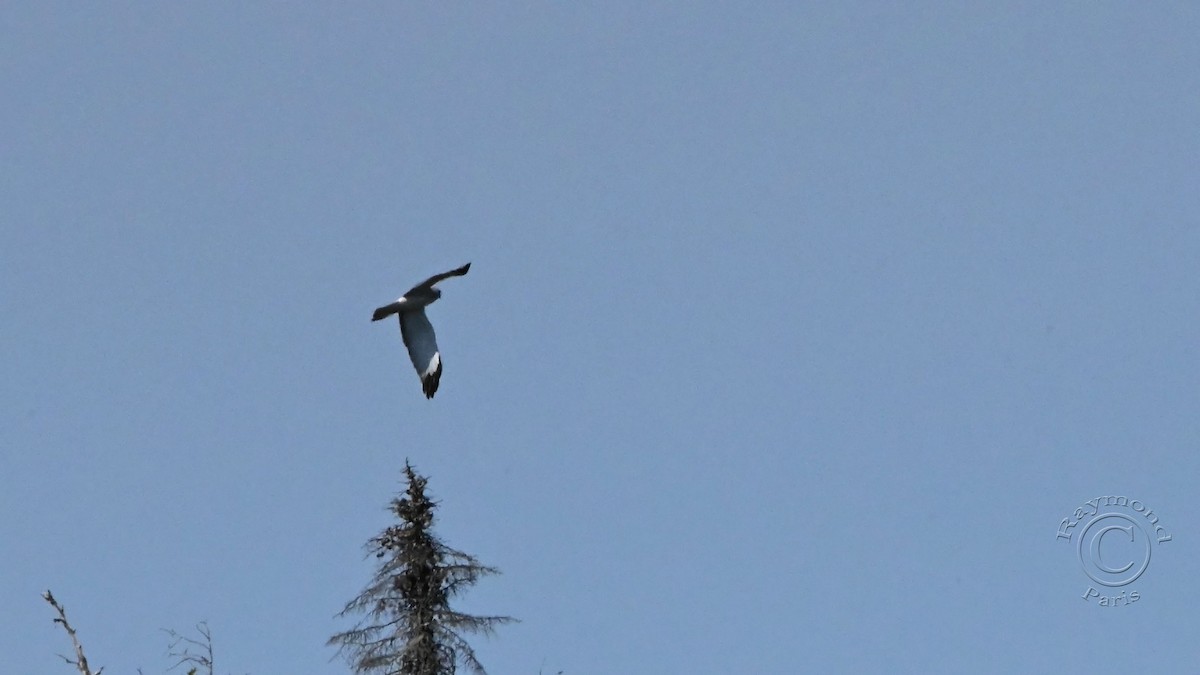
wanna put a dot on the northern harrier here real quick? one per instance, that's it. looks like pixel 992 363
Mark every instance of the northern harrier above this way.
pixel 416 329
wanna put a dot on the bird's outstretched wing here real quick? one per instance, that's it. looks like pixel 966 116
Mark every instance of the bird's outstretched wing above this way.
pixel 422 348
pixel 418 296
pixel 439 277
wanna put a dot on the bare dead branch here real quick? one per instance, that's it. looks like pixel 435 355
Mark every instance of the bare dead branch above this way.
pixel 190 651
pixel 80 661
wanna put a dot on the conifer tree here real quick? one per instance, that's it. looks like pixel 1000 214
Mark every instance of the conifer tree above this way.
pixel 407 625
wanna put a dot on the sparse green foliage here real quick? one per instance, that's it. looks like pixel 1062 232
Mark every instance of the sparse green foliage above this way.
pixel 407 625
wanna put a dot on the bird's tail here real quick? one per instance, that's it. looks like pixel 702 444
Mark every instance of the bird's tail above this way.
pixel 385 311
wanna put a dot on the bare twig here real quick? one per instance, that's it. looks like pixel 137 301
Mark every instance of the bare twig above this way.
pixel 80 661
pixel 202 657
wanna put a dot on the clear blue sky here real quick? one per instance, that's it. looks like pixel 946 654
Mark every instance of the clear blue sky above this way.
pixel 792 333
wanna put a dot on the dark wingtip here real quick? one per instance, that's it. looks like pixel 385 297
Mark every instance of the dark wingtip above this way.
pixel 465 268
pixel 429 384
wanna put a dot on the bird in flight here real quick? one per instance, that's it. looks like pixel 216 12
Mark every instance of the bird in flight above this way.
pixel 416 329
